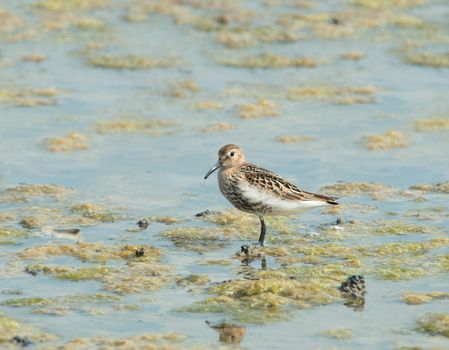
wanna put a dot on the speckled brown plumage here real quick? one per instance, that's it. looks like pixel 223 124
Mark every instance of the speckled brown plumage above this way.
pixel 259 191
pixel 272 182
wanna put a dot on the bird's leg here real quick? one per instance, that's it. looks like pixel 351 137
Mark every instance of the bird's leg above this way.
pixel 263 230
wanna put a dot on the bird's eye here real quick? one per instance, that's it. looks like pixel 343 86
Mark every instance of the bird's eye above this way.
pixel 231 154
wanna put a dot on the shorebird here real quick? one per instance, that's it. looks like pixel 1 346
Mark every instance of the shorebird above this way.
pixel 258 191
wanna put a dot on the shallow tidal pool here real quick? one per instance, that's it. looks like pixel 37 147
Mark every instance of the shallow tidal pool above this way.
pixel 111 113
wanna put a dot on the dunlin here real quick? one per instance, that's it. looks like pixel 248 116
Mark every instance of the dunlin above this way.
pixel 259 191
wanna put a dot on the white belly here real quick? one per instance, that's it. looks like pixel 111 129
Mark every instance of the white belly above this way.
pixel 278 205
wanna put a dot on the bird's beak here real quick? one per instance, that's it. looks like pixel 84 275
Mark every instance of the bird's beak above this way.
pixel 215 167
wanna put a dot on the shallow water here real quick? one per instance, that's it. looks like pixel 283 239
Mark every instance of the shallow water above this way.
pixel 159 172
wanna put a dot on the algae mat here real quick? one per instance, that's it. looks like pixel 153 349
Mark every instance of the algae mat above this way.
pixel 112 111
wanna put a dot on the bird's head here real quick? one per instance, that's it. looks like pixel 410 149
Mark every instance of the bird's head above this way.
pixel 228 156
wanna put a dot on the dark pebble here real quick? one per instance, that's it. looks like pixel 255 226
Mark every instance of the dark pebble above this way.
pixel 335 21
pixel 31 271
pixel 143 224
pixel 354 286
pixel 21 341
pixel 72 231
pixel 140 252
pixel 244 249
pixel 206 213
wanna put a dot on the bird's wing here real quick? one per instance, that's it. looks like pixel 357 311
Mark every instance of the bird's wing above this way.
pixel 269 181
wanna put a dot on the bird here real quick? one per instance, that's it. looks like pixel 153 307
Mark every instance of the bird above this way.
pixel 259 191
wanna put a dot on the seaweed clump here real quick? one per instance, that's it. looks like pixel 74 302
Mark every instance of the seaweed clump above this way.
pixel 338 333
pixel 153 127
pixel 140 273
pixel 434 324
pixel 264 300
pixel 11 328
pixel 294 139
pixel 131 62
pixel 172 341
pixel 373 190
pixel 437 188
pixel 29 97
pixel 342 95
pixel 69 5
pixel 218 127
pixel 432 124
pixel 389 140
pixel 26 192
pixel 260 109
pixel 412 298
pixel 72 142
pixel 10 235
pixel 436 60
pixel 268 60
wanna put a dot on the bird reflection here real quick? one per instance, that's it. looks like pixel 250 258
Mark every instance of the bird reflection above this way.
pixel 228 333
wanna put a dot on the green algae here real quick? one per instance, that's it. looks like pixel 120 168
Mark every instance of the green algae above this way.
pixel 400 228
pixel 90 23
pixel 135 277
pixel 417 248
pixel 94 212
pixel 31 222
pixel 264 300
pixel 414 298
pixel 344 95
pixel 10 235
pixel 236 223
pixel 172 341
pixel 7 216
pixel 260 109
pixel 69 143
pixel 222 262
pixel 10 327
pixel 197 239
pixel 390 140
pixel 428 188
pixel 92 273
pixel 153 127
pixel 198 280
pixel 167 220
pixel 232 225
pixel 24 302
pixel 183 88
pixel 267 60
pixel 217 127
pixel 64 305
pixel 434 324
pixel 130 62
pixel 374 190
pixel 29 97
pixel 337 333
pixel 69 5
pixel 26 192
pixel 436 60
pixel 325 93
pixel 287 139
pixel 380 4
pixel 432 124
pixel 93 252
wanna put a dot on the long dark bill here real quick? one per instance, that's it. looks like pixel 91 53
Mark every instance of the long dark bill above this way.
pixel 215 167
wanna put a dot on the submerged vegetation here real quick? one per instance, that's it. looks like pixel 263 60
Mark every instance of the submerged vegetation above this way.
pixel 123 251
pixel 389 140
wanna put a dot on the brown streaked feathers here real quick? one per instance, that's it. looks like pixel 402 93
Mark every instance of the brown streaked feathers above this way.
pixel 273 183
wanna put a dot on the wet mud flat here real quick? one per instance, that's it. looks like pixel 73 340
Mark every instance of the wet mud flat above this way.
pixel 112 111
